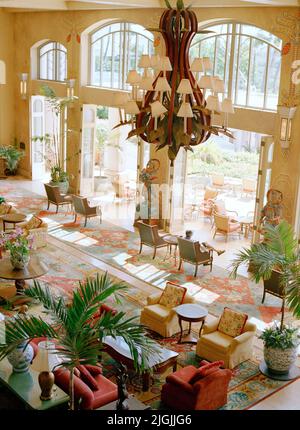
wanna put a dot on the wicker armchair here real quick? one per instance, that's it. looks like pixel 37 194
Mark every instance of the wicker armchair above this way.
pixel 194 253
pixel 81 207
pixel 55 197
pixel 225 226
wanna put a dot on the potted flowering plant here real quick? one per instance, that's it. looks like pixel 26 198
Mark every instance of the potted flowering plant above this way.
pixel 19 247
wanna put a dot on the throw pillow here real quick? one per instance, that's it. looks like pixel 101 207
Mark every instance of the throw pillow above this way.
pixel 5 208
pixel 232 322
pixel 205 370
pixel 34 222
pixel 94 370
pixel 86 376
pixel 173 295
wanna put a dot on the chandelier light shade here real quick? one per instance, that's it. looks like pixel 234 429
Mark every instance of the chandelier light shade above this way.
pixel 227 108
pixel 174 112
pixel 145 62
pixel 185 87
pixel 133 78
pixel 197 65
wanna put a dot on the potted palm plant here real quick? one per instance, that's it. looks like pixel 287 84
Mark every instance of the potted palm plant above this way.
pixel 76 336
pixel 278 253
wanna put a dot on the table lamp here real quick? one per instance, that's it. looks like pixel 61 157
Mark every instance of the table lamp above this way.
pixel 44 363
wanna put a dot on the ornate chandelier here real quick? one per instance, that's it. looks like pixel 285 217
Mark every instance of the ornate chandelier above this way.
pixel 173 104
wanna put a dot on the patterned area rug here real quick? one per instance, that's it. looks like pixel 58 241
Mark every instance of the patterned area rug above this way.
pixel 247 386
pixel 119 248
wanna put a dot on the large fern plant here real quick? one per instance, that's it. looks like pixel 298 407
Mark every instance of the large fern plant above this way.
pixel 77 336
pixel 279 251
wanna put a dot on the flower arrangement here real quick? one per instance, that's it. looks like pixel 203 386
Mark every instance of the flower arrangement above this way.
pixel 19 247
pixel 146 176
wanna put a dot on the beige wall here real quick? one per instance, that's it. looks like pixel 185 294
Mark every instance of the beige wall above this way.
pixel 7 113
pixel 32 27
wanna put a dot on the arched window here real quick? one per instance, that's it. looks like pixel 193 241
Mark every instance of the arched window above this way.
pixel 114 50
pixel 247 58
pixel 52 62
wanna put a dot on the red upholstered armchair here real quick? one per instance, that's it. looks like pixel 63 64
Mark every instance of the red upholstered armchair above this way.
pixel 190 388
pixel 85 396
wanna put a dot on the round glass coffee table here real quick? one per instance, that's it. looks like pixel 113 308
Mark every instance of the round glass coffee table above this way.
pixel 190 312
pixel 14 219
pixel 34 269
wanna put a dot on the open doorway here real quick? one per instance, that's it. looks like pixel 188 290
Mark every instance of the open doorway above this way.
pixel 47 130
pixel 221 176
pixel 115 167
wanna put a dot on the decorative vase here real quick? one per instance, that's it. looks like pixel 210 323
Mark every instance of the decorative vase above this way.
pixel 21 358
pixel 279 361
pixel 18 260
pixel 63 186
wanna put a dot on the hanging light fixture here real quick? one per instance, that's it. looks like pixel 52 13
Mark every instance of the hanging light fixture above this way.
pixel 178 90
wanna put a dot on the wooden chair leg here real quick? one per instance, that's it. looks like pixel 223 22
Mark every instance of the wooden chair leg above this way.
pixel 154 253
pixel 56 208
pixel 75 218
pixel 48 204
pixel 264 295
pixel 141 246
pixel 196 270
pixel 85 221
pixel 180 264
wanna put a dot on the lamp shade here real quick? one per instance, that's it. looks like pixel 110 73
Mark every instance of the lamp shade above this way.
pixel 45 359
pixel 227 106
pixel 213 103
pixel 207 64
pixel 185 87
pixel 162 84
pixel 157 109
pixel 206 82
pixel 131 108
pixel 146 84
pixel 145 62
pixel 165 64
pixel 133 78
pixel 120 99
pixel 2 73
pixel 197 65
pixel 185 111
pixel 219 86
pixel 155 60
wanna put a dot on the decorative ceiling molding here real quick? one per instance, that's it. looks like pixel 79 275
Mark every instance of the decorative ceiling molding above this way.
pixel 129 4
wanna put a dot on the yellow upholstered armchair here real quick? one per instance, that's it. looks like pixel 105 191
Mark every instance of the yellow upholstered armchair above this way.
pixel 160 318
pixel 225 226
pixel 215 345
pixel 37 229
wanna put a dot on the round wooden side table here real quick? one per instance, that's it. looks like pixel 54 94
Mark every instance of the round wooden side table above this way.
pixel 12 219
pixel 34 269
pixel 190 312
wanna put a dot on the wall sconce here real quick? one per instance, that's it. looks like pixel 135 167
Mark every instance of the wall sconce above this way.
pixel 23 85
pixel 286 114
pixel 71 88
pixel 2 73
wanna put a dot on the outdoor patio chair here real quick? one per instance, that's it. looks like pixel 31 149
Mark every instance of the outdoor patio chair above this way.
pixel 192 252
pixel 149 236
pixel 249 187
pixel 82 207
pixel 56 198
pixel 207 205
pixel 218 181
pixel 225 226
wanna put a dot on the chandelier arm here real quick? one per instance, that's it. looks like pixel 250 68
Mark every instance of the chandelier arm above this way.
pixel 173 46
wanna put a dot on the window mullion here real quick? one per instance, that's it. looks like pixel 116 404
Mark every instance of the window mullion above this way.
pixel 249 71
pixel 266 76
pixel 231 63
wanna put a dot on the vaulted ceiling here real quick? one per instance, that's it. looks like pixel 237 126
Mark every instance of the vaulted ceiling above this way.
pixel 127 4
